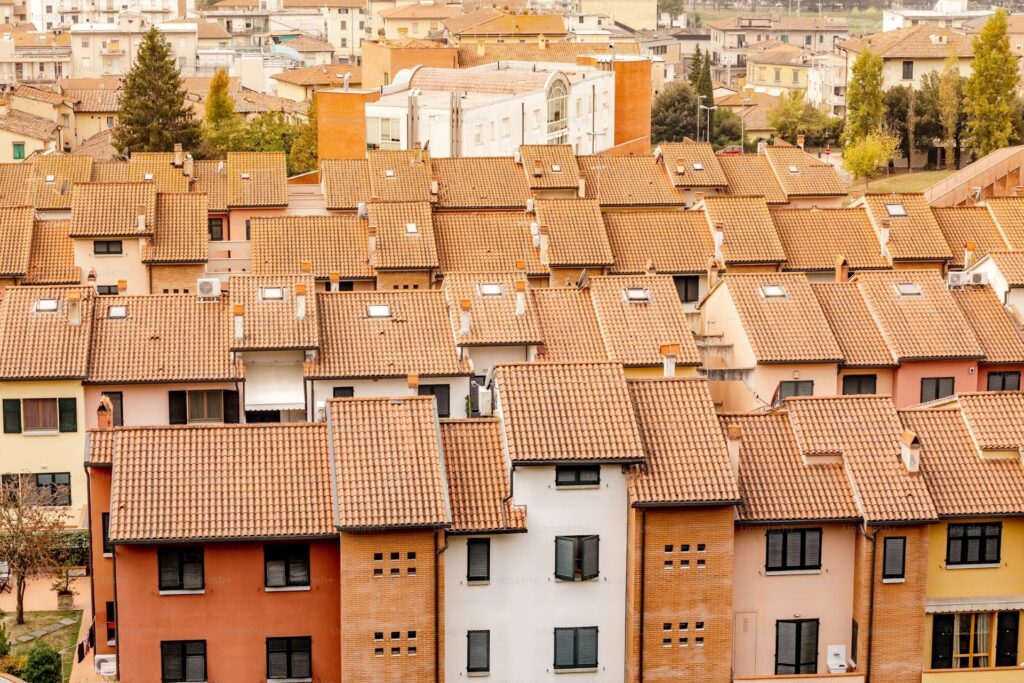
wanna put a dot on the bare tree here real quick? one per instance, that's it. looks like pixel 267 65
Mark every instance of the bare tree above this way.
pixel 32 530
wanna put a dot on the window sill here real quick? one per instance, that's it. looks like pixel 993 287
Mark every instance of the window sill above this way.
pixel 791 572
pixel 42 432
pixel 111 643
pixel 108 556
pixel 477 674
pixel 286 589
pixel 107 255
pixel 183 592
pixel 478 582
pixel 576 487
pixel 894 580
pixel 591 669
pixel 995 565
pixel 289 680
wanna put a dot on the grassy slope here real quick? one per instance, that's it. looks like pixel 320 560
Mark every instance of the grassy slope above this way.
pixel 918 181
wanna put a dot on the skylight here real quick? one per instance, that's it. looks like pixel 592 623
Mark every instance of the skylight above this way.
pixel 245 176
pixel 794 170
pixel 117 312
pixel 555 168
pixel 46 306
pixel 273 293
pixel 908 289
pixel 389 173
pixel 896 210
pixel 490 289
pixel 773 291
pixel 50 178
pixel 411 229
pixel 697 166
pixel 378 311
pixel 147 176
pixel 637 295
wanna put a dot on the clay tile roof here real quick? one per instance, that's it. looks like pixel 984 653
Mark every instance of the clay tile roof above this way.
pixel 687 460
pixel 416 338
pixel 422 10
pixel 321 74
pixel 272 324
pixel 557 168
pixel 567 412
pixel 812 177
pixel 213 182
pixel 303 43
pixel 346 183
pixel 493 318
pixel 388 463
pixel 176 484
pixel 1011 266
pixel 963 224
pixel 995 419
pixel 267 184
pixel 52 260
pixel 491 21
pixel 95 100
pixel 485 242
pixel 44 344
pixel 181 234
pixel 569 325
pixel 111 172
pixel 749 233
pixel 787 329
pixel 111 209
pixel 29 125
pixel 999 336
pixel 478 478
pixel 474 54
pixel 698 162
pixel 775 483
pixel 1008 213
pixel 15 240
pixel 161 338
pixel 65 170
pixel 576 229
pixel 670 241
pixel 15 183
pixel 30 93
pixel 814 239
pixel 865 431
pixel 405 235
pixel 634 332
pixel 852 325
pixel 330 244
pixel 157 167
pixel 961 481
pixel 627 181
pixel 750 174
pixel 928 325
pixel 399 176
pixel 915 236
pixel 480 183
pixel 99 447
pixel 924 41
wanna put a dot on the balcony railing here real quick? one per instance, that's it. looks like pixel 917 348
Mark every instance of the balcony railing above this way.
pixel 225 258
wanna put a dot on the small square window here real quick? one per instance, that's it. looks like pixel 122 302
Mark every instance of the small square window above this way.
pixel 411 650
pixel 378 572
pixel 377 557
pixel 378 311
pixel 685 564
pixel 668 548
pixel 117 312
pixel 668 564
pixel 411 571
pixel 896 210
pixel 50 179
pixel 396 556
pixel 395 651
pixel 411 229
pixel 773 291
pixel 273 293
pixel 555 168
pixel 395 571
pixel 389 173
pixel 684 625
pixel 411 635
pixel 395 635
pixel 699 626
pixel 378 635
pixel 700 563
pixel 908 289
pixel 699 642
pixel 697 166
pixel 666 642
pixel 794 170
pixel 684 642
pixel 666 627
pixel 378 652
pixel 490 289
pixel 685 548
pixel 46 306
pixel 411 556
pixel 147 176
pixel 700 547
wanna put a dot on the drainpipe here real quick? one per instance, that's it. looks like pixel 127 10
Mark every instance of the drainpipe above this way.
pixel 437 607
pixel 643 583
pixel 871 601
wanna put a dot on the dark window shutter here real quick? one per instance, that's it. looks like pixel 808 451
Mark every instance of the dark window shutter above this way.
pixel 808 647
pixel 178 402
pixel 785 647
pixel 67 415
pixel 192 574
pixel 894 557
pixel 277 658
pixel 1006 638
pixel 775 549
pixel 12 416
pixel 590 564
pixel 565 648
pixel 793 549
pixel 479 651
pixel 942 641
pixel 478 551
pixel 195 661
pixel 172 657
pixel 586 647
pixel 231 410
pixel 302 658
pixel 812 548
pixel 298 570
pixel 169 579
pixel 107 548
pixel 565 558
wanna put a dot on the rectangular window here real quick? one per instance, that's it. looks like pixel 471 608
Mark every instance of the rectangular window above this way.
pixel 343 392
pixel 908 70
pixel 478 559
pixel 182 661
pixel 793 550
pixel 964 640
pixel 181 569
pixel 568 476
pixel 107 548
pixel 107 247
pixel 289 658
pixel 12 416
pixel 894 558
pixel 478 652
pixel 216 228
pixel 18 150
pixel 933 388
pixel 688 288
pixel 475 383
pixel 440 393
pixel 968 544
pixel 778 75
pixel 576 648
pixel 804 387
pixel 859 384
pixel 286 566
pixel 111 623
pixel 576 557
pixel 1004 381
pixel 54 488
pixel 117 403
pixel 1007 638
pixel 39 414
pixel 107 290
pixel 796 646
pixel 206 405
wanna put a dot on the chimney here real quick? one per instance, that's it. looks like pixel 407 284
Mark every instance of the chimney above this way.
pixel 969 250
pixel 122 286
pixel 669 353
pixel 520 298
pixel 698 197
pixel 414 382
pixel 538 168
pixel 842 269
pixel 300 302
pixel 105 414
pixel 800 139
pixel 188 167
pixel 581 190
pixel 371 242
pixel 465 317
pixel 715 268
pixel 719 236
pixel 74 302
pixel 239 312
pixel 521 265
pixel 543 244
pixel 910 451
pixel 345 80
pixel 680 167
pixel 140 217
pixel 733 441
pixel 883 236
pixel 179 155
pixel 334 282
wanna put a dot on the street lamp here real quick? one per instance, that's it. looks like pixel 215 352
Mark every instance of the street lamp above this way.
pixel 708 110
pixel 743 123
pixel 699 107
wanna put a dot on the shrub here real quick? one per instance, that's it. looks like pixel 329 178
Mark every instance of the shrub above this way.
pixel 43 666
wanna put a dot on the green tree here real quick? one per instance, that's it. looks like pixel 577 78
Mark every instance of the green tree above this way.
pixel 706 89
pixel 991 88
pixel 5 642
pixel 303 155
pixel 728 129
pixel 44 665
pixel 674 115
pixel 951 114
pixel 696 66
pixel 221 125
pixel 153 115
pixel 793 115
pixel 866 156
pixel 673 7
pixel 901 117
pixel 268 132
pixel 865 105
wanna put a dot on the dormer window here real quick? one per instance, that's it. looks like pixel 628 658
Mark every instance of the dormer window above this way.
pixel 896 210
pixel 697 166
pixel 411 229
pixel 794 170
pixel 773 291
pixel 117 312
pixel 637 295
pixel 490 289
pixel 389 173
pixel 908 289
pixel 45 306
pixel 378 311
pixel 272 293
pixel 555 168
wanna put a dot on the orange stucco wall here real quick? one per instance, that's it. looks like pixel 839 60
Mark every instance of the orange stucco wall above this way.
pixel 341 122
pixel 235 615
pixel 984 370
pixel 102 567
pixel 907 381
pixel 381 63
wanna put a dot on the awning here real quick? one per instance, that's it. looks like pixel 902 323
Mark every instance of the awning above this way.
pixel 988 603
pixel 274 386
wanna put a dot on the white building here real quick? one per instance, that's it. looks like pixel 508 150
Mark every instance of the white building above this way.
pixel 945 13
pixel 492 109
pixel 109 49
pixel 826 83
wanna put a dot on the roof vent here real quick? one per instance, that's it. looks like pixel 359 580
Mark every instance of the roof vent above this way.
pixel 411 229
pixel 697 166
pixel 147 176
pixel 245 176
pixel 555 168
pixel 794 169
pixel 389 173
pixel 50 178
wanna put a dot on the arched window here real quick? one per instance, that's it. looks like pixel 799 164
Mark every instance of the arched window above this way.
pixel 558 112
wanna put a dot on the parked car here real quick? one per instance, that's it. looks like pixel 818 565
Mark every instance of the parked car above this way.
pixel 731 150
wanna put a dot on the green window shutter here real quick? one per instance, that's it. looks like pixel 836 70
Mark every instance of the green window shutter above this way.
pixel 12 416
pixel 67 414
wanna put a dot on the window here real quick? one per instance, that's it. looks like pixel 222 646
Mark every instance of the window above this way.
pixel 478 559
pixel 45 306
pixel 793 550
pixel 108 549
pixel 289 658
pixel 440 393
pixel 697 166
pixel 390 132
pixel 181 569
pixel 107 290
pixel 895 210
pixel 804 387
pixel 1004 381
pixel 117 312
pixel 206 405
pixel 933 388
pixel 894 553
pixel 490 289
pixel 286 566
pixel 637 295
pixel 859 384
pixel 106 247
pixel 778 75
pixel 110 122
pixel 111 623
pixel 182 660
pixel 343 392
pixel 576 648
pixel 567 476
pixel 216 228
pixel 908 289
pixel 908 70
pixel 796 646
pixel 968 544
pixel 55 487
pixel 773 291
pixel 796 76
pixel 272 294
pixel 117 403
pixel 688 288
pixel 964 640
pixel 478 651
pixel 576 557
pixel 378 311
pixel 40 415
pixel 558 111
pixel 18 150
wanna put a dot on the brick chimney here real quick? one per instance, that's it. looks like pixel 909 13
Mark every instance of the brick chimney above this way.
pixel 140 217
pixel 238 311
pixel 969 249
pixel 105 414
pixel 465 317
pixel 842 269
pixel 669 353
pixel 733 441
pixel 334 281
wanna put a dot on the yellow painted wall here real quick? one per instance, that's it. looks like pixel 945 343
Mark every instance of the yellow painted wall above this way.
pixel 993 675
pixel 648 373
pixel 1007 579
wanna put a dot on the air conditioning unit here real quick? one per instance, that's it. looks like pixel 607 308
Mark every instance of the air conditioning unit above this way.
pixel 485 401
pixel 208 287
pixel 955 279
pixel 106 665
pixel 979 279
pixel 836 659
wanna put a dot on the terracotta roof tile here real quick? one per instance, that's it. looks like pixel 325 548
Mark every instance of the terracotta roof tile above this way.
pixel 812 178
pixel 95 100
pixel 480 183
pixel 53 176
pixel 111 172
pixel 493 318
pixel 161 338
pixel 567 412
pixel 750 174
pixel 416 338
pixel 576 229
pixel 687 460
pixel 99 447
pixel 346 183
pixel 321 74
pixel 549 167
pixel 220 482
pixel 474 54
pixel 698 162
pixel 995 419
pixel 1011 266
pixel 273 324
pixel 670 241
pixel 44 344
pixel 157 167
pixel 478 478
pixel 267 182
pixel 485 242
pixel 851 322
pixel 112 209
pixel 913 237
pixel 1008 213
pixel 627 181
pixel 211 178
pixel 181 233
pixel 29 93
pixel 569 325
pixel 749 233
pixel 15 240
pixel 913 42
pixel 995 330
pixel 388 463
pixel 777 485
pixel 963 224
pixel 22 123
pixel 53 255
pixel 485 22
pixel 399 176
pixel 16 181
pixel 404 236
pixel 814 239
pixel 330 244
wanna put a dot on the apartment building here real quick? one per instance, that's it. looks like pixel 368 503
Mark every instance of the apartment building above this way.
pixel 909 53
pixel 732 37
pixel 33 57
pixel 417 20
pixel 55 14
pixel 109 48
pixel 779 69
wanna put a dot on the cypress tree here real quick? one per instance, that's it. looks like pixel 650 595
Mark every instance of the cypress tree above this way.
pixel 697 66
pixel 222 126
pixel 705 88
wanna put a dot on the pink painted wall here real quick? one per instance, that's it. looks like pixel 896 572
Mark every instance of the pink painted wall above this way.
pixel 883 379
pixel 907 383
pixel 984 370
pixel 144 404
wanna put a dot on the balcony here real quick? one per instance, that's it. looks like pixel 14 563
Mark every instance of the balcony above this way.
pixel 225 258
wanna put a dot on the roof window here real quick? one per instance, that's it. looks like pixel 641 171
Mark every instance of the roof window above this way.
pixel 51 178
pixel 378 311
pixel 411 229
pixel 555 168
pixel 697 166
pixel 637 295
pixel 272 293
pixel 908 289
pixel 896 210
pixel 117 312
pixel 490 289
pixel 773 291
pixel 245 176
pixel 147 176
pixel 794 169
pixel 389 173
pixel 45 306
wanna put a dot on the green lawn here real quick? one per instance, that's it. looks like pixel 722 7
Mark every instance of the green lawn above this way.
pixel 63 640
pixel 919 181
pixel 861 21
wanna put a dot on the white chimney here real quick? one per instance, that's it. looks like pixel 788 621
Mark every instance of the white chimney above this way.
pixel 543 245
pixel 535 234
pixel 669 353
pixel 883 237
pixel 371 242
pixel 733 441
pixel 361 210
pixel 719 235
pixel 969 250
pixel 345 80
pixel 581 191
pixel 188 168
pixel 179 155
pixel 465 320
pixel 74 303
pixel 335 281
pixel 910 451
pixel 520 298
pixel 239 313
pixel 300 302
pixel 140 218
